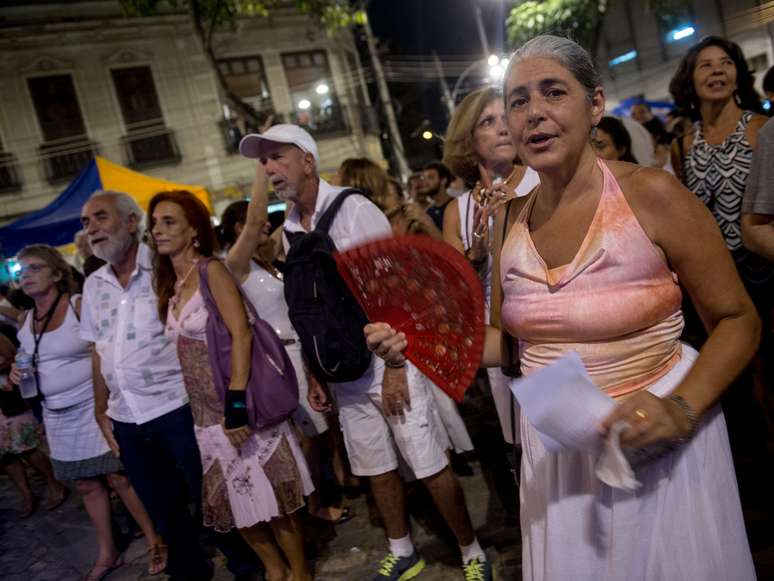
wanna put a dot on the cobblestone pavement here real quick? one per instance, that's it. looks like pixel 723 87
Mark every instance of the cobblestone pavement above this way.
pixel 60 545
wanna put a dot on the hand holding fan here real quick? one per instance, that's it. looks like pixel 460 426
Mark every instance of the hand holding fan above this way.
pixel 427 290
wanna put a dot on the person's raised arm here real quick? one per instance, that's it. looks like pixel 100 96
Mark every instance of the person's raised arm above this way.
pixel 241 252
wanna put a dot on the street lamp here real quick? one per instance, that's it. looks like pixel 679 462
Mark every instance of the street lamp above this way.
pixel 427 135
pixel 494 65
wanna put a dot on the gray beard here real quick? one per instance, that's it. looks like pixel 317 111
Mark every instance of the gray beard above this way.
pixel 114 249
pixel 288 195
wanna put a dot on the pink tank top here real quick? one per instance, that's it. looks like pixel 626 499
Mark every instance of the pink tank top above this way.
pixel 617 303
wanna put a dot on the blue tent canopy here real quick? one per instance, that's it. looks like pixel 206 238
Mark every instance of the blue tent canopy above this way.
pixel 56 223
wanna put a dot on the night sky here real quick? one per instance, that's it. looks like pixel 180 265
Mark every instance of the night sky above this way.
pixel 409 29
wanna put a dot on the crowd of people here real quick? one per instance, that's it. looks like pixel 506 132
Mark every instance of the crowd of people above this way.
pixel 661 278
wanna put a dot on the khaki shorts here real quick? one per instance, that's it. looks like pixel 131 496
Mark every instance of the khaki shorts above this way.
pixel 374 441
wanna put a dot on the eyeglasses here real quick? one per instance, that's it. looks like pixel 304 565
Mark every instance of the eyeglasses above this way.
pixel 33 268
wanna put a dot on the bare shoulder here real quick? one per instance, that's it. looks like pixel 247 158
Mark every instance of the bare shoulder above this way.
pixel 663 206
pixel 216 268
pixel 648 185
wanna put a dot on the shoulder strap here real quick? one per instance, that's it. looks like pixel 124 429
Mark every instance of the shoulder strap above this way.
pixel 71 301
pixel 330 213
pixel 209 299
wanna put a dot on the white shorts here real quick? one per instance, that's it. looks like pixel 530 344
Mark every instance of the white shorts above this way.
pixel 310 422
pixel 373 440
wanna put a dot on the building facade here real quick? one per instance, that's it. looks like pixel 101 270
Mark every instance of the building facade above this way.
pixel 80 78
pixel 640 47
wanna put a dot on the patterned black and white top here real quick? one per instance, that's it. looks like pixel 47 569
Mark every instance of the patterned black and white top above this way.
pixel 717 174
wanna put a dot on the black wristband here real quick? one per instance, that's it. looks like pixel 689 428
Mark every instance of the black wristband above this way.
pixel 236 409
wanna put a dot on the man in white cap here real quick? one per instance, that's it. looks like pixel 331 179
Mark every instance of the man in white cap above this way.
pixel 385 412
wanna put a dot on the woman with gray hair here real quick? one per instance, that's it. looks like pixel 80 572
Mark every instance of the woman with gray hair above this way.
pixel 590 264
pixel 63 373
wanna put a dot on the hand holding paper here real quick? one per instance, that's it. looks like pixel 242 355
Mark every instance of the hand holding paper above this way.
pixel 565 407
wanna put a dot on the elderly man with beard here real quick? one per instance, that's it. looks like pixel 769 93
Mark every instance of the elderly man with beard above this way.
pixel 140 399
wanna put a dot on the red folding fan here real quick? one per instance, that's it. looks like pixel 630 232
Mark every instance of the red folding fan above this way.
pixel 429 291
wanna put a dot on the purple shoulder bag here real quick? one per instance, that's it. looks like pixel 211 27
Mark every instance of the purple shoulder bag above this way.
pixel 272 387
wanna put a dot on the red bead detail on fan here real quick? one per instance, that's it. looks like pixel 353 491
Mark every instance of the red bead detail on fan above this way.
pixel 429 291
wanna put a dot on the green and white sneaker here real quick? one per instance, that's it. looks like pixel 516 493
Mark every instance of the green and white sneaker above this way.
pixel 393 568
pixel 476 570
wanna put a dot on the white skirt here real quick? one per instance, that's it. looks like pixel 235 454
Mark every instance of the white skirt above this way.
pixel 684 522
pixel 73 433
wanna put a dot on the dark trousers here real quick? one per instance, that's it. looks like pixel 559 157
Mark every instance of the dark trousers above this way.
pixel 162 462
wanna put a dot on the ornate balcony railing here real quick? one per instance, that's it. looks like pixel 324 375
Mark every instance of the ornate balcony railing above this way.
pixel 63 159
pixel 151 146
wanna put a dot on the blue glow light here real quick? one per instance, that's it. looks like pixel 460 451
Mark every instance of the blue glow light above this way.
pixel 14 267
pixel 766 105
pixel 277 207
pixel 680 33
pixel 625 57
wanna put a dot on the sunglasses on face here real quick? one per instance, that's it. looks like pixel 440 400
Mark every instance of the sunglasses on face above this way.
pixel 32 268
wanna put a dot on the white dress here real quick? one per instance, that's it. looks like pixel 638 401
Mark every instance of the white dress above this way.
pixel 267 294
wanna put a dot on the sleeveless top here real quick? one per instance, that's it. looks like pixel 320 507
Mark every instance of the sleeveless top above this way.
pixel 616 304
pixel 717 174
pixel 267 293
pixel 64 361
pixel 467 207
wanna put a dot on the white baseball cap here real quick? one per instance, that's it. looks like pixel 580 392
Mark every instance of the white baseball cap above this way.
pixel 254 145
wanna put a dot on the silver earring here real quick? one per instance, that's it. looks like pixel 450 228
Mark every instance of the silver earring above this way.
pixel 196 243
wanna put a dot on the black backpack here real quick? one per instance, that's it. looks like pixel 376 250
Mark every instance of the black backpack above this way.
pixel 323 310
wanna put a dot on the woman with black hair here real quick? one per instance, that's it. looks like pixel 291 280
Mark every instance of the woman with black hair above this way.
pixel 612 141
pixel 713 86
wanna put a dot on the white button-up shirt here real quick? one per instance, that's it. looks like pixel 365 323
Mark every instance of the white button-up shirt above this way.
pixel 358 221
pixel 139 363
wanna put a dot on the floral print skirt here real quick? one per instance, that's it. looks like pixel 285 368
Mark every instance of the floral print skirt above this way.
pixel 19 434
pixel 264 479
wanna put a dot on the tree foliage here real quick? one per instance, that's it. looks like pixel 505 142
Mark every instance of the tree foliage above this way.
pixel 581 20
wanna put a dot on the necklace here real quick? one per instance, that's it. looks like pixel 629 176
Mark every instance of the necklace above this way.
pixel 179 286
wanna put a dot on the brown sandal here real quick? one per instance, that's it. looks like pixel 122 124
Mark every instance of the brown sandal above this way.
pixel 158 559
pixel 55 502
pixel 28 508
pixel 99 572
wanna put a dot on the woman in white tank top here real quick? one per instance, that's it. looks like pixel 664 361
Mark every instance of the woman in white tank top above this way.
pixel 479 149
pixel 79 449
pixel 245 230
